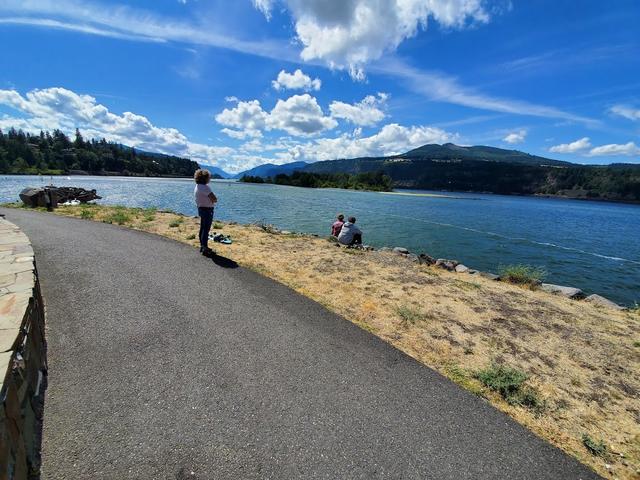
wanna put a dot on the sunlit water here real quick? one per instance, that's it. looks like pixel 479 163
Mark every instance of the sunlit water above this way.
pixel 591 245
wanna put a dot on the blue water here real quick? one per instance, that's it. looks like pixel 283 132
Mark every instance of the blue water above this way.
pixel 591 245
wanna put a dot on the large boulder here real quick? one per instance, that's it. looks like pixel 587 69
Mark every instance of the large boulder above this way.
pixel 426 259
pixel 490 276
pixel 569 292
pixel 401 250
pixel 460 268
pixel 603 302
pixel 446 264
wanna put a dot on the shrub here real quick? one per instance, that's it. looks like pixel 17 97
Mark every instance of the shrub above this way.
pixel 217 225
pixel 174 224
pixel 510 384
pixel 191 237
pixel 599 449
pixel 522 274
pixel 87 214
pixel 149 214
pixel 119 216
pixel 409 315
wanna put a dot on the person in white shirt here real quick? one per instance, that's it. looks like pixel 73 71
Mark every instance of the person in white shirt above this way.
pixel 205 201
pixel 350 234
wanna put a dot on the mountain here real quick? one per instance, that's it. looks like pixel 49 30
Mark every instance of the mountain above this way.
pixel 217 171
pixel 494 170
pixel 271 170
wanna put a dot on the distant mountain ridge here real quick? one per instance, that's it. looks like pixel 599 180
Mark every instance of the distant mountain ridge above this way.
pixel 271 170
pixel 486 169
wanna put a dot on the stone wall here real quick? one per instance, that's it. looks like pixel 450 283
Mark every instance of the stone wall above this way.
pixel 23 363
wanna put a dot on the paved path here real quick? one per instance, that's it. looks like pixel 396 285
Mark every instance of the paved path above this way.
pixel 164 363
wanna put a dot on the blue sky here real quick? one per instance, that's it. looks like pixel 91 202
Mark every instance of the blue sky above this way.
pixel 244 82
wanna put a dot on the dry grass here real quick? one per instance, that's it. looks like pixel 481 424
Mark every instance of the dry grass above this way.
pixel 581 360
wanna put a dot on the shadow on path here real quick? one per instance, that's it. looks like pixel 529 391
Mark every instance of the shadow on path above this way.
pixel 223 262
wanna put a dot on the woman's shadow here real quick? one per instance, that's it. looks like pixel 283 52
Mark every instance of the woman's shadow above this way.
pixel 223 262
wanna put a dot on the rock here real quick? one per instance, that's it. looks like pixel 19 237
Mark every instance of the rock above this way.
pixel 401 250
pixel 413 257
pixel 490 276
pixel 471 271
pixel 446 264
pixel 461 268
pixel 426 259
pixel 285 232
pixel 569 292
pixel 604 302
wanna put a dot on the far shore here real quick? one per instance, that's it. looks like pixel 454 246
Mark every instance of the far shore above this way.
pixel 578 359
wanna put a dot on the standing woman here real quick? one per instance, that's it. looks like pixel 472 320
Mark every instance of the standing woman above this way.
pixel 205 201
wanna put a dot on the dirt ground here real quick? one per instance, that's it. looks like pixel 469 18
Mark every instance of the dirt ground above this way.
pixel 582 361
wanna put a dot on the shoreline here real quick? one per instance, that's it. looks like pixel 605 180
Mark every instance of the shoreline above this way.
pixel 457 324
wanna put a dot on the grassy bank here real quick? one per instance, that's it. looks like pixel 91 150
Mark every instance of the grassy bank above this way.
pixel 568 370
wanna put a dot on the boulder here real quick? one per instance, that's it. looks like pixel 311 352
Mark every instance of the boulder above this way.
pixel 446 264
pixel 426 259
pixel 401 250
pixel 490 276
pixel 569 292
pixel 604 302
pixel 460 268
pixel 413 257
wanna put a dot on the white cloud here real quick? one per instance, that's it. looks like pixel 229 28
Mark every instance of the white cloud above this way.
pixel 296 81
pixel 390 140
pixel 366 112
pixel 298 115
pixel 626 112
pixel 123 22
pixel 347 34
pixel 573 147
pixel 615 149
pixel 515 137
pixel 49 108
pixel 248 117
pixel 443 88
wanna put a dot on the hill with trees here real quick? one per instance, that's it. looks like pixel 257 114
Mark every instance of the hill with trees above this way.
pixel 375 181
pixel 53 153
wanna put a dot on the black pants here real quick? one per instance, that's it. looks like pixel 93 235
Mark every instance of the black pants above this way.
pixel 206 219
pixel 357 239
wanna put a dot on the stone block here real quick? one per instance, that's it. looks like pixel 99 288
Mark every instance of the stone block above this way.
pixel 569 292
pixel 603 302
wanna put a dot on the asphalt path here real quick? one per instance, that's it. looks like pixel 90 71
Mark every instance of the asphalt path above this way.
pixel 165 364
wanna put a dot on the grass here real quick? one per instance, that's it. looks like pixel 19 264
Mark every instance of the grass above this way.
pixel 149 214
pixel 87 213
pixel 596 448
pixel 191 237
pixel 510 383
pixel 522 274
pixel 176 223
pixel 409 315
pixel 119 216
pixel 217 225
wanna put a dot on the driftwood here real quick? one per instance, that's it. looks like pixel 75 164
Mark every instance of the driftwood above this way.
pixel 51 196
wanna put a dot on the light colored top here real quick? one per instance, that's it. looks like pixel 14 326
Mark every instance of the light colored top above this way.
pixel 201 193
pixel 347 233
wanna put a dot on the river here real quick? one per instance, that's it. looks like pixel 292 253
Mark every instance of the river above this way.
pixel 591 245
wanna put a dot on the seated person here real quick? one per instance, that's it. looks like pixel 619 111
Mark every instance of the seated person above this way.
pixel 337 226
pixel 350 234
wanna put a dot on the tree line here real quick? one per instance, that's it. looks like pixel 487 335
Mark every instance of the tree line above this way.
pixel 375 181
pixel 53 153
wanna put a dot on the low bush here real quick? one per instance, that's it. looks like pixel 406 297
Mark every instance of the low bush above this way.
pixel 119 216
pixel 522 274
pixel 409 315
pixel 510 383
pixel 87 214
pixel 191 237
pixel 596 448
pixel 149 214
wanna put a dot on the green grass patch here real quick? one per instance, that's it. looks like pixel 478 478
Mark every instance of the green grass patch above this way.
pixel 149 214
pixel 409 315
pixel 119 216
pixel 191 237
pixel 522 274
pixel 87 213
pixel 510 383
pixel 176 223
pixel 596 448
pixel 217 225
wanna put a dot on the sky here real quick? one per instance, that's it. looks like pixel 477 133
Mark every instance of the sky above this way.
pixel 239 83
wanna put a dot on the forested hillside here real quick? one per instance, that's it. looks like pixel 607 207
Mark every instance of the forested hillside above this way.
pixel 54 153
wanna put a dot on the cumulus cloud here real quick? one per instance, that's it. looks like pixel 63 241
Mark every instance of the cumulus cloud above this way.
pixel 615 149
pixel 366 112
pixel 298 115
pixel 247 117
pixel 346 34
pixel 390 140
pixel 295 81
pixel 49 108
pixel 573 147
pixel 515 137
pixel 626 111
